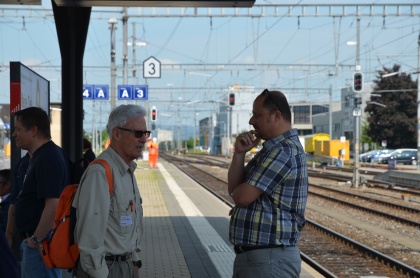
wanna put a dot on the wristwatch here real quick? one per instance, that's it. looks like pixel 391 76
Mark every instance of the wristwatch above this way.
pixel 35 240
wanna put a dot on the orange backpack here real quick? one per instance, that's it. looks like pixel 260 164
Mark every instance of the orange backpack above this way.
pixel 58 249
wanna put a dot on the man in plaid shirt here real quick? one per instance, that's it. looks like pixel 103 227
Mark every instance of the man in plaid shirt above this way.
pixel 270 193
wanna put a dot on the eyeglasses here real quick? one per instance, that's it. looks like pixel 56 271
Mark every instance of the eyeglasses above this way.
pixel 272 99
pixel 137 133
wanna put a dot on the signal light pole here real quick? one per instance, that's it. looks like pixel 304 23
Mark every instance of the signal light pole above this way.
pixel 357 112
pixel 418 105
pixel 357 82
pixel 231 99
pixel 154 114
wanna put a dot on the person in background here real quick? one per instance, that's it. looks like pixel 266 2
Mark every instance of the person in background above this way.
pixel 47 174
pixel 153 148
pixel 148 147
pixel 88 154
pixel 269 193
pixel 13 238
pixel 5 197
pixel 109 229
pixel 107 142
pixel 8 265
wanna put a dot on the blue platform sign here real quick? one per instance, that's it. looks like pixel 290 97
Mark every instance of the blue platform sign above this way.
pixel 101 92
pixel 125 92
pixel 141 92
pixel 132 92
pixel 87 91
pixel 96 92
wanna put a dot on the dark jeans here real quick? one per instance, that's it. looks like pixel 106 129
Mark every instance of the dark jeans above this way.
pixel 33 266
pixel 282 262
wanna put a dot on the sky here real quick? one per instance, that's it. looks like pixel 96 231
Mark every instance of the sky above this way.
pixel 29 36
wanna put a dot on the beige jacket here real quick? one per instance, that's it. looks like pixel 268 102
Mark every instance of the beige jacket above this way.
pixel 108 225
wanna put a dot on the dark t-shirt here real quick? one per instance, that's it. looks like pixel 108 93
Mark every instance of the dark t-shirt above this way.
pixel 19 172
pixel 4 210
pixel 48 172
pixel 18 177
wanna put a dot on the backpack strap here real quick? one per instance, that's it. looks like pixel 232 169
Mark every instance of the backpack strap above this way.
pixel 108 173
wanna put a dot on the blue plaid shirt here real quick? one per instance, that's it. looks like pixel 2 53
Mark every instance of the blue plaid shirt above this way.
pixel 277 215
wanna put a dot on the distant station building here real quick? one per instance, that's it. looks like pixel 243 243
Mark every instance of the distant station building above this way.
pixel 308 117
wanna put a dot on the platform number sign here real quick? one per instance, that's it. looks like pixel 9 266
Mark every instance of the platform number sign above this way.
pixel 95 92
pixel 87 92
pixel 140 92
pixel 101 92
pixel 125 92
pixel 151 68
pixel 133 92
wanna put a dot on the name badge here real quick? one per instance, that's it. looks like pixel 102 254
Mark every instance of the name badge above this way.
pixel 126 220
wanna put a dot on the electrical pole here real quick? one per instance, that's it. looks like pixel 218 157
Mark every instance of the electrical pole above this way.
pixel 418 104
pixel 330 111
pixel 125 46
pixel 113 21
pixel 134 53
pixel 195 126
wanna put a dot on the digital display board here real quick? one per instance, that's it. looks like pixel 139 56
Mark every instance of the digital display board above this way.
pixel 27 89
pixel 148 3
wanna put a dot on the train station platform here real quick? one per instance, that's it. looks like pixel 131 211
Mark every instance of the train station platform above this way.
pixel 409 178
pixel 186 227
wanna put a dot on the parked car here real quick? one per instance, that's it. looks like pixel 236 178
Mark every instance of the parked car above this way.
pixel 405 156
pixel 376 158
pixel 371 155
pixel 364 156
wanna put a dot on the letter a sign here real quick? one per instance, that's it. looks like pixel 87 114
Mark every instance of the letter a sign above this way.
pixel 151 68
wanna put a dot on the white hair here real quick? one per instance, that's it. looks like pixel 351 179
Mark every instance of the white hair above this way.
pixel 120 115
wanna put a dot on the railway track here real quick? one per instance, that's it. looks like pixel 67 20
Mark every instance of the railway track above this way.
pixel 330 253
pixel 400 213
pixel 337 176
pixel 328 172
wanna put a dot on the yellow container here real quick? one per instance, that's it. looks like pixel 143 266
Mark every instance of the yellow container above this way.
pixel 310 142
pixel 336 147
pixel 319 147
pixel 7 150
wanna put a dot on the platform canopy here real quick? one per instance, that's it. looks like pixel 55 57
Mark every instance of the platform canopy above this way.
pixel 72 21
pixel 20 2
pixel 155 3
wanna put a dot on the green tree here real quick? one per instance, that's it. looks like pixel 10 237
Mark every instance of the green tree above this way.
pixel 365 138
pixel 105 136
pixel 190 143
pixel 395 123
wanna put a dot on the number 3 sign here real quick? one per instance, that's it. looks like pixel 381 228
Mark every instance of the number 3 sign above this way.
pixel 151 68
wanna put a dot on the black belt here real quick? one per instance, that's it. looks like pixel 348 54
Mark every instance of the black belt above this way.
pixel 121 258
pixel 239 249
